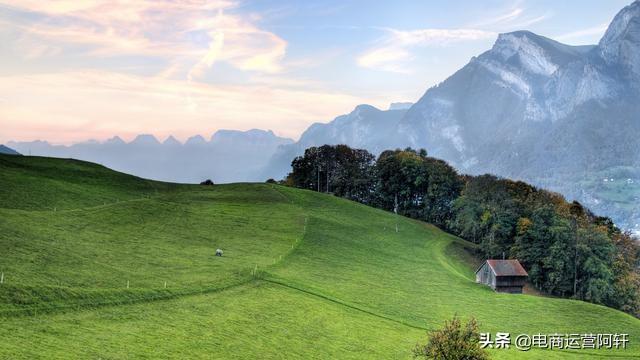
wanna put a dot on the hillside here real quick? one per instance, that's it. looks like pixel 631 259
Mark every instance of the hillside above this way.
pixel 86 254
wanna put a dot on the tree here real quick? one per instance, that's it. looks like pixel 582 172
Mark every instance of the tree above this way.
pixel 338 169
pixel 626 286
pixel 454 341
pixel 595 262
pixel 444 185
pixel 419 186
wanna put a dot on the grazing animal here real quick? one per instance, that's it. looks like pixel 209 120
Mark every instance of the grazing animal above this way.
pixel 218 252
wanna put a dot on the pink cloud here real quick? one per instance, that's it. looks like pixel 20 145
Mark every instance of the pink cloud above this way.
pixel 157 28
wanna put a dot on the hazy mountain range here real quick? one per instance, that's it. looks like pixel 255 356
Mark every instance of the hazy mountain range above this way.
pixel 228 156
pixel 562 117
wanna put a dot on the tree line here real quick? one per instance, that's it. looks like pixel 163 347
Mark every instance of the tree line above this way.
pixel 567 250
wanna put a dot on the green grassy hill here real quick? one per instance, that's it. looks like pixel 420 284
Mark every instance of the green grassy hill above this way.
pixel 99 264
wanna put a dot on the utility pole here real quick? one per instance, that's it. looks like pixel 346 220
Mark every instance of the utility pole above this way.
pixel 395 210
pixel 395 204
pixel 317 159
pixel 327 177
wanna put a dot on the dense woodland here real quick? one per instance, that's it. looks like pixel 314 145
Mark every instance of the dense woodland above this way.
pixel 567 250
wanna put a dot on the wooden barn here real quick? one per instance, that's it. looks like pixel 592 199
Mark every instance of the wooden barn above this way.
pixel 507 276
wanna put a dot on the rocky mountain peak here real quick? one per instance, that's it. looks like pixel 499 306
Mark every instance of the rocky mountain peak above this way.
pixel 145 139
pixel 171 140
pixel 621 43
pixel 533 54
pixel 196 140
pixel 249 136
pixel 116 140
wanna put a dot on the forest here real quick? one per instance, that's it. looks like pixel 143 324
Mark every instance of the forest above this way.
pixel 567 250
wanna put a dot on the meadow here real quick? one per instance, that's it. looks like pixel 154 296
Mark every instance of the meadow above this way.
pixel 99 264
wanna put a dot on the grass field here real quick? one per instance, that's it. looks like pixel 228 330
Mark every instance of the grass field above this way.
pixel 103 265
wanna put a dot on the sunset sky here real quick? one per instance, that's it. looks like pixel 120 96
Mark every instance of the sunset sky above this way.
pixel 76 70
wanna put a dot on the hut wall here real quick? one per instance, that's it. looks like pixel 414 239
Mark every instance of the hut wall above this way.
pixel 510 281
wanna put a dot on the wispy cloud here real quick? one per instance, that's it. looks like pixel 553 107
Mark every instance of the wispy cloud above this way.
pixel 394 49
pixel 515 17
pixel 202 32
pixel 589 33
pixel 506 17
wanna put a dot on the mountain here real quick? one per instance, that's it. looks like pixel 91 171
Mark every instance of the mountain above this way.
pixel 229 156
pixel 145 140
pixel 171 141
pixel 559 116
pixel 364 127
pixel 7 150
pixel 563 117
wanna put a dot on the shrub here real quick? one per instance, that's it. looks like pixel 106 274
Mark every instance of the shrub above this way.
pixel 454 341
pixel 207 182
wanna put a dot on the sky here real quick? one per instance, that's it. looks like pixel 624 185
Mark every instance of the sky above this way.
pixel 73 70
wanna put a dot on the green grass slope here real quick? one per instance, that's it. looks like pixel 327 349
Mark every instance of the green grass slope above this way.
pixel 304 275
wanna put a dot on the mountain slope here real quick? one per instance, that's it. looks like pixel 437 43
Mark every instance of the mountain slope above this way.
pixel 7 150
pixel 365 127
pixel 333 279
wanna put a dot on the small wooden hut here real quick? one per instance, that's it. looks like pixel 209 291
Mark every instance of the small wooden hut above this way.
pixel 507 276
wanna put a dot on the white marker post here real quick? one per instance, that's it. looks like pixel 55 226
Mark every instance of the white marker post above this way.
pixel 2 278
pixel 127 284
pixel 165 284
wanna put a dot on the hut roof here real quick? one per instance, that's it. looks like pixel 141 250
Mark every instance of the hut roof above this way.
pixel 507 268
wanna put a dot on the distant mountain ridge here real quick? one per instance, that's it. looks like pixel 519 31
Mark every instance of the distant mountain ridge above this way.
pixel 229 156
